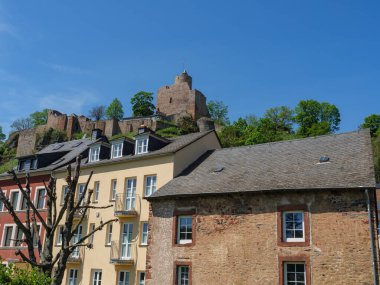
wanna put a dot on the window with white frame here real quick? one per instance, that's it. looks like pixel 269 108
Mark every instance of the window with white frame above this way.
pixel 1 206
pixel 36 235
pixel 150 185
pixel 19 236
pixel 141 278
pixel 59 235
pixel 92 228
pixel 113 189
pixel 96 191
pixel 183 277
pixel 13 199
pixel 8 235
pixel 73 276
pixel 142 145
pixel 96 277
pixel 294 273
pixel 65 190
pixel 109 234
pixel 23 203
pixel 144 233
pixel 94 153
pixel 117 149
pixel 40 198
pixel 81 192
pixel 184 229
pixel 123 278
pixel 293 226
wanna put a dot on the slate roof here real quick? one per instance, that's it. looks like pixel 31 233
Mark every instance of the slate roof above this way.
pixel 285 165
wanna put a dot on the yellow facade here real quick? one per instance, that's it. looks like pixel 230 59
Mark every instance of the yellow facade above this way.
pixel 126 253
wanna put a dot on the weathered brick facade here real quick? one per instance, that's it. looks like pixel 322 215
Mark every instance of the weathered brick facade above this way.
pixel 236 238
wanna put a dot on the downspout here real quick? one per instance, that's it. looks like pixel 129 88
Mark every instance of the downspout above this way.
pixel 373 254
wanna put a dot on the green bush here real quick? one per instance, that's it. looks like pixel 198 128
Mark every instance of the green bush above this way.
pixel 12 275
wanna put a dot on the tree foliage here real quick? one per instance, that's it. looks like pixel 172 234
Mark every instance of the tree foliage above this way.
pixel 115 110
pixel 372 122
pixel 12 275
pixel 142 104
pixel 39 118
pixel 55 217
pixel 187 125
pixel 2 135
pixel 218 112
pixel 22 124
pixel 281 118
pixel 97 112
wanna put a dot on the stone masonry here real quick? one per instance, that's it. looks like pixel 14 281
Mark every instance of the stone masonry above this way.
pixel 236 238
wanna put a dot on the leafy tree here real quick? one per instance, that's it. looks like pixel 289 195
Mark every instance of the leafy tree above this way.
pixel 142 104
pixel 98 112
pixel 187 125
pixel 39 118
pixel 281 117
pixel 315 118
pixel 115 110
pixel 49 263
pixel 12 275
pixel 372 122
pixel 2 135
pixel 218 112
pixel 22 124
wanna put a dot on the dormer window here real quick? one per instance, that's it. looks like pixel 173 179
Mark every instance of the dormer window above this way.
pixel 117 149
pixel 142 145
pixel 94 153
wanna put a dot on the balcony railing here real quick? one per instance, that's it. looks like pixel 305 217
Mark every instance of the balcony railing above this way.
pixel 123 253
pixel 127 206
pixel 79 213
pixel 77 255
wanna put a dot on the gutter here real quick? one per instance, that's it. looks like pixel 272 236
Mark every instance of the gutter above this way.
pixel 373 247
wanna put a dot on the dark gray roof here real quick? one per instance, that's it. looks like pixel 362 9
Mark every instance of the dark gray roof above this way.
pixel 65 146
pixel 285 165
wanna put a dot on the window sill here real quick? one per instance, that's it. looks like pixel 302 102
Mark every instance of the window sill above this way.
pixel 293 243
pixel 107 245
pixel 143 245
pixel 184 244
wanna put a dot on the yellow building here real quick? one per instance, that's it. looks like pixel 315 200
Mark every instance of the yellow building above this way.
pixel 125 171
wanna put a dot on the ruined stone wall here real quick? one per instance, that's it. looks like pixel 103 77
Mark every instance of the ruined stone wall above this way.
pixel 236 239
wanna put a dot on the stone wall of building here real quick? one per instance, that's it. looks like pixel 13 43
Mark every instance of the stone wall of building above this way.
pixel 236 239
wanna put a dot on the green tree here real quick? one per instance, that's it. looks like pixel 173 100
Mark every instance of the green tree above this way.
pixel 97 112
pixel 142 104
pixel 218 112
pixel 11 275
pixel 187 125
pixel 315 118
pixel 2 135
pixel 39 118
pixel 372 122
pixel 22 124
pixel 115 110
pixel 281 117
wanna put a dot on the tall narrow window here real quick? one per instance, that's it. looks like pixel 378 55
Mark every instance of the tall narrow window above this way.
pixel 14 199
pixel 65 190
pixel 77 236
pixel 184 229
pixel 81 192
pixel 23 203
pixel 130 197
pixel 94 153
pixel 294 273
pixel 142 145
pixel 183 276
pixel 113 189
pixel 92 228
pixel 123 278
pixel 109 234
pixel 7 236
pixel 19 235
pixel 73 276
pixel 1 206
pixel 40 198
pixel 142 278
pixel 150 185
pixel 293 226
pixel 96 191
pixel 144 233
pixel 59 235
pixel 36 235
pixel 117 149
pixel 97 277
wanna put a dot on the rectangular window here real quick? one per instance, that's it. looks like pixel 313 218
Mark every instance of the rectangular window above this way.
pixel 73 276
pixel 142 145
pixel 293 226
pixel 14 199
pixel 19 235
pixel 36 235
pixel 94 153
pixel 117 150
pixel 144 233
pixel 96 277
pixel 1 206
pixel 109 234
pixel 123 278
pixel 92 228
pixel 40 198
pixel 81 192
pixel 96 191
pixel 184 229
pixel 23 203
pixel 142 278
pixel 294 273
pixel 130 197
pixel 7 236
pixel 150 185
pixel 113 189
pixel 65 190
pixel 59 235
pixel 183 275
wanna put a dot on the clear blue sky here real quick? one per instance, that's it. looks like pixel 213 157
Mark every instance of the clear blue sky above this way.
pixel 253 55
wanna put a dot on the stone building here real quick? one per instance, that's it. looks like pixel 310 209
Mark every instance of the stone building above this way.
pixel 292 212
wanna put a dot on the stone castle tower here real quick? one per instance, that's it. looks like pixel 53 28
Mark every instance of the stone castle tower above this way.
pixel 180 99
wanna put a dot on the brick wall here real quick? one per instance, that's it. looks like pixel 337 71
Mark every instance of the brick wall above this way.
pixel 236 239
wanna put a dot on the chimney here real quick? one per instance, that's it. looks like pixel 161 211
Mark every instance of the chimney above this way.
pixel 96 133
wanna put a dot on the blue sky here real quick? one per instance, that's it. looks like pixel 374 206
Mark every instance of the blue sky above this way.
pixel 253 55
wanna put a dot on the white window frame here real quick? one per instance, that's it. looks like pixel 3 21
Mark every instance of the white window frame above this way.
pixel 109 234
pixel 94 153
pixel 17 208
pixel 286 272
pixel 144 234
pixel 142 145
pixel 286 239
pixel 142 281
pixel 96 277
pixel 91 229
pixel 5 226
pixel 179 269
pixel 117 149
pixel 96 191
pixel 113 189
pixel 126 281
pixel 152 187
pixel 39 225
pixel 65 190
pixel 79 193
pixel 184 241
pixel 59 235
pixel 72 278
pixel 36 198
